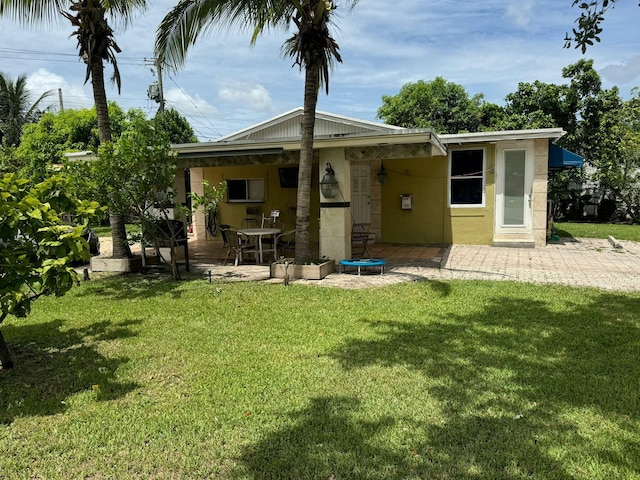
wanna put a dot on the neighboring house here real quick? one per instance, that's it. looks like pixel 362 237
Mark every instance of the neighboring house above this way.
pixel 412 185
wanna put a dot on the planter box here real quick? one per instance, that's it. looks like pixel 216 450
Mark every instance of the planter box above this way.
pixel 109 264
pixel 308 272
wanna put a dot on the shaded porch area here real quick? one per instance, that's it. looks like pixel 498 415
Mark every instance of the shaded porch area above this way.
pixel 210 251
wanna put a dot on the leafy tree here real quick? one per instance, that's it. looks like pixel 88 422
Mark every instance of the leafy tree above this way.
pixel 36 248
pixel 175 126
pixel 438 104
pixel 16 109
pixel 9 162
pixel 589 114
pixel 539 105
pixel 589 21
pixel 45 143
pixel 311 47
pixel 135 175
pixel 96 45
pixel 620 172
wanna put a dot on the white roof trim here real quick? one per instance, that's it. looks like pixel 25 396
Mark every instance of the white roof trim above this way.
pixel 85 155
pixel 328 141
pixel 505 135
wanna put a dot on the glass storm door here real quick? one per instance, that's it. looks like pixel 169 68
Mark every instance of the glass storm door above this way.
pixel 514 175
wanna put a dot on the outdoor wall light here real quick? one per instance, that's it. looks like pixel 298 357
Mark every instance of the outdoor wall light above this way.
pixel 329 184
pixel 382 175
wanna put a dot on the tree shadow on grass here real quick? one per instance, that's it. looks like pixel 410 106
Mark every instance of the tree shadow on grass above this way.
pixel 53 363
pixel 325 441
pixel 132 286
pixel 510 379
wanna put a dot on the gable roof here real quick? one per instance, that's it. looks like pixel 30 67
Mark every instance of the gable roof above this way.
pixel 288 125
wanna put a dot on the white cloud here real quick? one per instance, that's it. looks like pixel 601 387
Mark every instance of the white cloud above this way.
pixel 624 72
pixel 188 104
pixel 73 95
pixel 201 115
pixel 521 13
pixel 255 97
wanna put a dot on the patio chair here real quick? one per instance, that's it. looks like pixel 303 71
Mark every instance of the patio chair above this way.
pixel 251 217
pixel 272 220
pixel 223 234
pixel 284 241
pixel 238 246
pixel 359 239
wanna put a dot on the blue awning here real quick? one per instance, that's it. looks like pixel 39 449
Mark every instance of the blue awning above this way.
pixel 561 159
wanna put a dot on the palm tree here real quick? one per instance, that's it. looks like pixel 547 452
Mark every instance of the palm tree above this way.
pixel 311 46
pixel 15 110
pixel 95 46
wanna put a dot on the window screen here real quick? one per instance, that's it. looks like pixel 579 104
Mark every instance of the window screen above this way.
pixel 467 177
pixel 245 190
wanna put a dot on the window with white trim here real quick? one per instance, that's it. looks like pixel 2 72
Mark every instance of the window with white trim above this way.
pixel 466 178
pixel 245 190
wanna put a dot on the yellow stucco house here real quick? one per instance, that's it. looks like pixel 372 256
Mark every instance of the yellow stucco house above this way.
pixel 411 185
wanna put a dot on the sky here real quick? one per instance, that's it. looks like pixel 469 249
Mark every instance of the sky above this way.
pixel 226 84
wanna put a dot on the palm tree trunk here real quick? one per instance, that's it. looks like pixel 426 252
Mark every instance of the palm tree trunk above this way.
pixel 121 247
pixel 100 99
pixel 303 211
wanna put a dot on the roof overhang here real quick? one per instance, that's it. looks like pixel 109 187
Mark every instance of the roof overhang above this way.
pixel 242 148
pixel 502 136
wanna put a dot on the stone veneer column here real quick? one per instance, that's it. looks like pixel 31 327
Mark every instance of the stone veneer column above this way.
pixel 335 219
pixel 540 190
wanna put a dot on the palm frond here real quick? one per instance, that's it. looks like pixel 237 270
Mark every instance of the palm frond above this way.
pixel 30 12
pixel 122 12
pixel 312 44
pixel 191 19
pixel 47 12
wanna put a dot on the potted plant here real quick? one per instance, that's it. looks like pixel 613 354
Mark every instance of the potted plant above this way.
pixel 286 268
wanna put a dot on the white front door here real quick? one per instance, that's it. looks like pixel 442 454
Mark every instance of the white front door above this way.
pixel 361 193
pixel 514 183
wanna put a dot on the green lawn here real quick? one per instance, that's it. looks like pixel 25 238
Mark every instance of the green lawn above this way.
pixel 105 230
pixel 139 378
pixel 598 230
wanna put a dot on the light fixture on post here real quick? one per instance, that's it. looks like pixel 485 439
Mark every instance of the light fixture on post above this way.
pixel 329 184
pixel 382 174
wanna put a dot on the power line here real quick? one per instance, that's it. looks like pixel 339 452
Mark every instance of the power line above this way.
pixel 19 54
pixel 194 105
pixel 201 122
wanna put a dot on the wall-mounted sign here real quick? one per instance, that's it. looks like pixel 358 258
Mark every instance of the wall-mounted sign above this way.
pixel 406 201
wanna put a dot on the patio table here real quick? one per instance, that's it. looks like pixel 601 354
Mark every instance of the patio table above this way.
pixel 261 232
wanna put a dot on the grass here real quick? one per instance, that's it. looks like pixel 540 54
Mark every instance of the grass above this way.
pixel 128 377
pixel 105 230
pixel 598 230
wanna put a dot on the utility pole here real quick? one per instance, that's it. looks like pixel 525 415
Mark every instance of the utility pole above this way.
pixel 159 70
pixel 155 91
pixel 60 100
